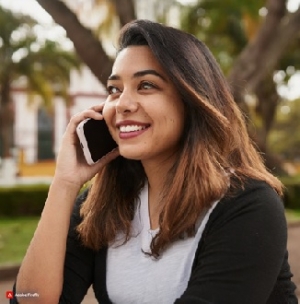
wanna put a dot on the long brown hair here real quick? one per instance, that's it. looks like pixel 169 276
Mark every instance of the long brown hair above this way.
pixel 215 146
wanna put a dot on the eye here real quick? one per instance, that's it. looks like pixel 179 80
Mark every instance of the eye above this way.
pixel 113 90
pixel 146 85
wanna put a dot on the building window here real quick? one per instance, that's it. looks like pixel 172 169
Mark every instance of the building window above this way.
pixel 45 135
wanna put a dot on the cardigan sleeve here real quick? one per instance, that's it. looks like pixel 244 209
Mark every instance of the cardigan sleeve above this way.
pixel 242 250
pixel 79 262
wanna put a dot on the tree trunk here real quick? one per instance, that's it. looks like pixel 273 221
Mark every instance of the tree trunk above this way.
pixel 125 10
pixel 268 99
pixel 260 56
pixel 86 44
pixel 254 63
pixel 257 61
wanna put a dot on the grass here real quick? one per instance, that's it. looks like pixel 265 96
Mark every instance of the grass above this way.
pixel 292 216
pixel 16 233
pixel 15 236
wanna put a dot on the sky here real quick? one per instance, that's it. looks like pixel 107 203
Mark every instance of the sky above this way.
pixel 46 28
pixel 31 7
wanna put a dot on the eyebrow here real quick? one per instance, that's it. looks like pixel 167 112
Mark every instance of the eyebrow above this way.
pixel 139 74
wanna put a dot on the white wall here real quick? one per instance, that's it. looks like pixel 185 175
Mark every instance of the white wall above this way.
pixel 25 126
pixel 85 90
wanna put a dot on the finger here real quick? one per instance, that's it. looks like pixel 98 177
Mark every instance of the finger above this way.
pixel 89 113
pixel 108 158
pixel 98 108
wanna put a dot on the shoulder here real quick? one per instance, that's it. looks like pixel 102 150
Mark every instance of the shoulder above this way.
pixel 251 188
pixel 245 237
pixel 249 222
pixel 252 194
pixel 253 201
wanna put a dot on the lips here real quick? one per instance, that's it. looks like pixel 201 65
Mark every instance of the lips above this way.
pixel 131 126
pixel 129 129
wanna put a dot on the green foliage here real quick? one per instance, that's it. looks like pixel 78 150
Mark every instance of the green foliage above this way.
pixel 222 25
pixel 292 195
pixel 228 26
pixel 23 200
pixel 48 71
pixel 284 139
pixel 15 236
pixel 43 63
pixel 292 192
pixel 291 60
pixel 292 215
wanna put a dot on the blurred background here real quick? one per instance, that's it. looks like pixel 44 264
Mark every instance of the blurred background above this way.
pixel 55 56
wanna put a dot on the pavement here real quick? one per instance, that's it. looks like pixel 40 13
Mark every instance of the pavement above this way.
pixel 294 254
pixel 294 259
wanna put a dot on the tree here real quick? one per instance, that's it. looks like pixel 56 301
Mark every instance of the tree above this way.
pixel 44 64
pixel 285 136
pixel 230 28
pixel 256 54
pixel 276 33
pixel 86 42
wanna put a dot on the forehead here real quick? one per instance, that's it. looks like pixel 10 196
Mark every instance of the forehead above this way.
pixel 134 58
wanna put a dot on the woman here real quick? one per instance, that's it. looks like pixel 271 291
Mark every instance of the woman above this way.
pixel 183 211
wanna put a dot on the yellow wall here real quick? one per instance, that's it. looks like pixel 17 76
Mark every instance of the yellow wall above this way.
pixel 37 169
pixel 43 168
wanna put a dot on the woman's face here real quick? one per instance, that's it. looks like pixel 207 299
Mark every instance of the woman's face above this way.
pixel 143 111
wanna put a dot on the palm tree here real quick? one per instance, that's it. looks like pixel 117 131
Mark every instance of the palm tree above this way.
pixel 45 65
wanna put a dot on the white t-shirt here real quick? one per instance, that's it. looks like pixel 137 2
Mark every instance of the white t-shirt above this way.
pixel 134 277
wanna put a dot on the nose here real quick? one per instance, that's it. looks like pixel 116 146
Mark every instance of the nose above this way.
pixel 126 103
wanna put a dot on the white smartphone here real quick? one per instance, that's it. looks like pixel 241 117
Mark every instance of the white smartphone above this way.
pixel 95 139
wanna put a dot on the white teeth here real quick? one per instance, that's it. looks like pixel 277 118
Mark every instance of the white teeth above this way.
pixel 131 128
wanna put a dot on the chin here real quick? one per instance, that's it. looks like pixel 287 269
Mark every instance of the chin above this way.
pixel 131 154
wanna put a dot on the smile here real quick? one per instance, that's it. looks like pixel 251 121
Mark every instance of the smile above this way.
pixel 132 128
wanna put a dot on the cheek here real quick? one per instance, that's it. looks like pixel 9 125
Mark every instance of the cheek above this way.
pixel 108 113
pixel 177 118
pixel 176 125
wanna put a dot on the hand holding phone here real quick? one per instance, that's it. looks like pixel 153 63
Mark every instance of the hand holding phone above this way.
pixel 95 139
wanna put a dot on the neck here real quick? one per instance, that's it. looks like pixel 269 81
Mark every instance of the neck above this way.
pixel 156 172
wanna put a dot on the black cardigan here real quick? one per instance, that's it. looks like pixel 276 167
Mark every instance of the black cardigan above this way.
pixel 241 257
